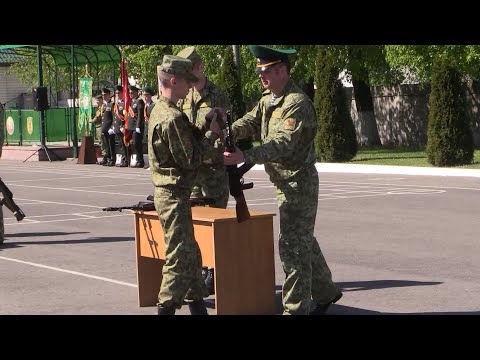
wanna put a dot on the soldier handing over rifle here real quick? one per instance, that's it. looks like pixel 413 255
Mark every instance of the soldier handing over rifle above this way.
pixel 286 120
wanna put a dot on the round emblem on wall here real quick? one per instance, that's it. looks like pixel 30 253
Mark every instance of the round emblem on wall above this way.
pixel 10 125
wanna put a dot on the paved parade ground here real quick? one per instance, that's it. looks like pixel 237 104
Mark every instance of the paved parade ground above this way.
pixel 396 243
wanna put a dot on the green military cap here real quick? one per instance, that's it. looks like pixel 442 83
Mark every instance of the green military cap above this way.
pixel 99 97
pixel 133 87
pixel 106 91
pixel 191 54
pixel 118 88
pixel 267 56
pixel 176 65
pixel 148 90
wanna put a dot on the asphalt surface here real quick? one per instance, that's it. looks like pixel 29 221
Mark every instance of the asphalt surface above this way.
pixel 396 244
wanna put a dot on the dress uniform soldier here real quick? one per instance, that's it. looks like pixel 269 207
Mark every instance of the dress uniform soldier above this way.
pixel 136 124
pixel 286 120
pixel 108 134
pixel 176 148
pixel 148 92
pixel 119 125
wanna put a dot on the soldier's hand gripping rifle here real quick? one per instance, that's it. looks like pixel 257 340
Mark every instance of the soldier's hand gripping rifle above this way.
pixel 9 203
pixel 235 175
pixel 150 206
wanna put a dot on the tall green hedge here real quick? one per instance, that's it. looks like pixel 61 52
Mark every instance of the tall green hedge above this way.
pixel 230 83
pixel 450 138
pixel 336 139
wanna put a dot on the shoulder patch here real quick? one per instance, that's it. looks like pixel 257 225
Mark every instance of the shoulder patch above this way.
pixel 289 124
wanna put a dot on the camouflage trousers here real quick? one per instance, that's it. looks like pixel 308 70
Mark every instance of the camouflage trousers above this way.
pixel 2 226
pixel 182 271
pixel 99 137
pixel 307 275
pixel 212 182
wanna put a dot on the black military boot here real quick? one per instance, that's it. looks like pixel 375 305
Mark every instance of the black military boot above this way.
pixel 165 310
pixel 321 309
pixel 197 307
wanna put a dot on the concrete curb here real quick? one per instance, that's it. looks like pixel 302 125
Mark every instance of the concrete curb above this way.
pixel 393 170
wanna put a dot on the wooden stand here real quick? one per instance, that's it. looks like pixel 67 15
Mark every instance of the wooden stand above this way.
pixel 241 254
pixel 87 151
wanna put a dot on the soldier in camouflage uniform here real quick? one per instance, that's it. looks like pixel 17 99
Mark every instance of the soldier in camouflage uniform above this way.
pixel 176 148
pixel 2 124
pixel 212 178
pixel 97 121
pixel 286 119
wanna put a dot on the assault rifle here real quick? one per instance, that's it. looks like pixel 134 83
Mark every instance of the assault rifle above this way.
pixel 150 206
pixel 9 203
pixel 235 175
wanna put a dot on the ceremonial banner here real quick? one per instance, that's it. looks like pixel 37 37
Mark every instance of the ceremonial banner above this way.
pixel 85 105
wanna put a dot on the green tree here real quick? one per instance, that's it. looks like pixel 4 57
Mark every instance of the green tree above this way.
pixel 450 139
pixel 335 140
pixel 229 82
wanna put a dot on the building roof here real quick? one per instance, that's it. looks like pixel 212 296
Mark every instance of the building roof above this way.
pixel 8 56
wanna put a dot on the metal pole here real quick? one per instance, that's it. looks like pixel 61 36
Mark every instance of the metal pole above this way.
pixel 74 115
pixel 40 83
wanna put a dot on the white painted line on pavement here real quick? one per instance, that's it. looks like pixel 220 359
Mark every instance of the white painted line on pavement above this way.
pixel 69 271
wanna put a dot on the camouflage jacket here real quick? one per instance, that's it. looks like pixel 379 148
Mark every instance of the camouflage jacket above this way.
pixel 197 104
pixel 287 130
pixel 176 148
pixel 97 119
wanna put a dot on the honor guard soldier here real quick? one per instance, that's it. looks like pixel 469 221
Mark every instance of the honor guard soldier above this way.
pixel 108 135
pixel 136 124
pixel 286 120
pixel 148 92
pixel 119 126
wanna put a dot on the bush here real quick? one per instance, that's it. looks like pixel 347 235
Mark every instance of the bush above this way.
pixel 335 140
pixel 230 83
pixel 450 138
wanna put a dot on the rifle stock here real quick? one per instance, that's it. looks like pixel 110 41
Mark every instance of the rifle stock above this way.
pixel 150 206
pixel 9 203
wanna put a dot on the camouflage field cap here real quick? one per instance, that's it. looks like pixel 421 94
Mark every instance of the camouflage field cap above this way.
pixel 148 90
pixel 105 91
pixel 179 66
pixel 190 54
pixel 267 57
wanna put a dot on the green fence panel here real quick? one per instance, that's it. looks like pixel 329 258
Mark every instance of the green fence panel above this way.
pixel 56 124
pixel 12 127
pixel 30 126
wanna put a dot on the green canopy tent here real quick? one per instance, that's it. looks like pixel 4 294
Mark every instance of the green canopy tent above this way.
pixel 68 56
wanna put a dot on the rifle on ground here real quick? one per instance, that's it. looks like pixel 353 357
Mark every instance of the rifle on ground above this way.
pixel 150 206
pixel 235 176
pixel 9 203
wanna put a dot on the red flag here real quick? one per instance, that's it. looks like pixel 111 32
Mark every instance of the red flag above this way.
pixel 127 135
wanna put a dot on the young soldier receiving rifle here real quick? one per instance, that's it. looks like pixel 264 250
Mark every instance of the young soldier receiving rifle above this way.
pixel 176 149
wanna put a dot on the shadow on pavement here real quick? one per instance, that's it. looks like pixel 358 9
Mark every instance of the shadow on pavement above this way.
pixel 9 244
